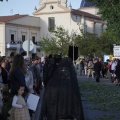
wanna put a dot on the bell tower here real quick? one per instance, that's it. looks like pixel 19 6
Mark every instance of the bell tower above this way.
pixel 62 2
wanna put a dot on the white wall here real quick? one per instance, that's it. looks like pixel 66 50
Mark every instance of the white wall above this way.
pixel 2 39
pixel 91 10
pixel 63 17
pixel 28 26
pixel 60 20
pixel 27 20
pixel 65 20
pixel 19 31
pixel 48 9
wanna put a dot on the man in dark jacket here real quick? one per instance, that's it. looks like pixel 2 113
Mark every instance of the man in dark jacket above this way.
pixel 97 69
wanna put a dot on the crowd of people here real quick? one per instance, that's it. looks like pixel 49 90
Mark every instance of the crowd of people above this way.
pixel 16 73
pixel 97 68
pixel 21 75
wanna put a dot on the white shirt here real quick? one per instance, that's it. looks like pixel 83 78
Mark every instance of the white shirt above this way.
pixel 113 65
pixel 42 59
pixel 14 102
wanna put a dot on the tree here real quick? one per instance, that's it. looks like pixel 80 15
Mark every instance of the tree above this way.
pixel 87 44
pixel 2 0
pixel 106 40
pixel 91 44
pixel 58 43
pixel 109 10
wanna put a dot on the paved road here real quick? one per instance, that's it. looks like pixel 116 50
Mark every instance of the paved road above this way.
pixel 102 80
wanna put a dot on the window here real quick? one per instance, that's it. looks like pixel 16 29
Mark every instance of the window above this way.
pixel 12 38
pixel 51 23
pixel 33 39
pixel 23 38
pixel 51 7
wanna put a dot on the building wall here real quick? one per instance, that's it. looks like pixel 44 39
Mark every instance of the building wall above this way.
pixel 27 21
pixel 48 9
pixel 19 31
pixel 91 10
pixel 63 20
pixel 19 27
pixel 63 17
pixel 88 26
pixel 2 39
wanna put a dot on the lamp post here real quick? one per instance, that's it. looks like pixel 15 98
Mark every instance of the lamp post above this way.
pixel 73 51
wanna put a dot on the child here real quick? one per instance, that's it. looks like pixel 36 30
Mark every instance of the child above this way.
pixel 19 111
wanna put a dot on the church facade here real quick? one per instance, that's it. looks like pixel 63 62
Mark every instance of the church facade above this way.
pixel 51 13
pixel 56 13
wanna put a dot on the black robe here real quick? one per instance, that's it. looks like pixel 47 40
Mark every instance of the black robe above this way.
pixel 62 99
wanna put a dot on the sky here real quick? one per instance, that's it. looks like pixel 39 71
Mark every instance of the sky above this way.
pixel 26 6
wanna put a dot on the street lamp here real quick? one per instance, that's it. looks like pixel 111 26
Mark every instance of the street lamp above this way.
pixel 73 51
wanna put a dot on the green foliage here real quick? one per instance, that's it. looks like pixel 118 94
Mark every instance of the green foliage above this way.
pixel 58 43
pixel 109 10
pixel 90 44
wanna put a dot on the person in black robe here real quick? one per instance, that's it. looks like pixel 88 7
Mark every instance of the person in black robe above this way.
pixel 97 69
pixel 61 99
pixel 117 73
pixel 48 69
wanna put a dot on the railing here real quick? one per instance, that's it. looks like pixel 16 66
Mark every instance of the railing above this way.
pixel 14 45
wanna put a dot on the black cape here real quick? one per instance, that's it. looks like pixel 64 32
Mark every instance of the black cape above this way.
pixel 61 99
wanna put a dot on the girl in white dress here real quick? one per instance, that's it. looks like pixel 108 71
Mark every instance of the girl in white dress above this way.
pixel 19 110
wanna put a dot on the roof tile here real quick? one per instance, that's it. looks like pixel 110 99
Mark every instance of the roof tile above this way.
pixel 79 12
pixel 9 18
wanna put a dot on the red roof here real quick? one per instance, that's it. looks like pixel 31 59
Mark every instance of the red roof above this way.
pixel 9 18
pixel 79 12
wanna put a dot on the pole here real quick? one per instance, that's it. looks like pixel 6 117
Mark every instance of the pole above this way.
pixel 73 51
pixel 34 48
pixel 28 47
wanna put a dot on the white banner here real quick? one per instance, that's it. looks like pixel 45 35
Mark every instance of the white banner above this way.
pixel 116 51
